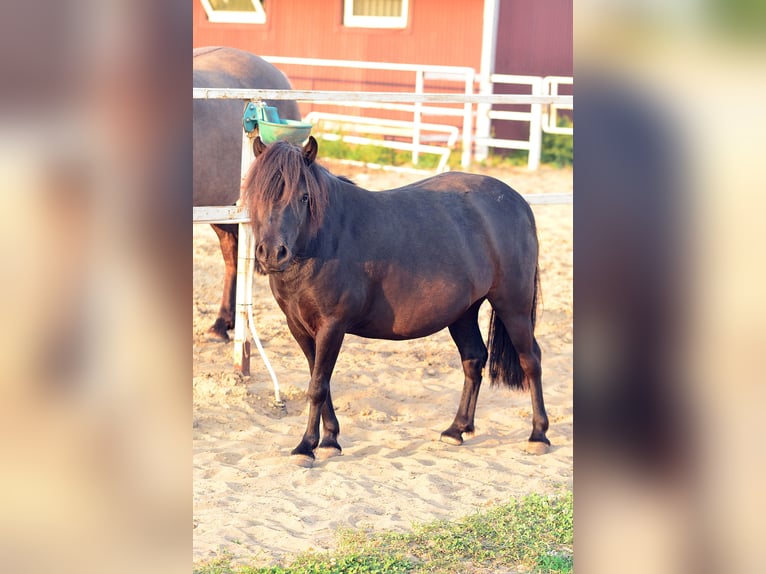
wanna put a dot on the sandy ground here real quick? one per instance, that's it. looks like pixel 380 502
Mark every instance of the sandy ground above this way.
pixel 392 400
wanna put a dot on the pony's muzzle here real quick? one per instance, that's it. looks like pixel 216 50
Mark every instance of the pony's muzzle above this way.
pixel 272 258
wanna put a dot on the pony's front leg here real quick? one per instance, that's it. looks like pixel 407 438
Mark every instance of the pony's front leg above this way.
pixel 329 446
pixel 328 343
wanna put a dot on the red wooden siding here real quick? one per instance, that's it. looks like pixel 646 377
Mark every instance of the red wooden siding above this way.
pixel 438 33
pixel 534 37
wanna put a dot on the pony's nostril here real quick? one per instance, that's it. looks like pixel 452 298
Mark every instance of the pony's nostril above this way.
pixel 260 251
pixel 281 253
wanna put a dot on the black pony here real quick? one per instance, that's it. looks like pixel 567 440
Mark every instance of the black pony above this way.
pixel 397 264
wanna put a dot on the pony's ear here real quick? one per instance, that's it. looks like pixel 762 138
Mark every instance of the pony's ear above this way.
pixel 310 150
pixel 258 146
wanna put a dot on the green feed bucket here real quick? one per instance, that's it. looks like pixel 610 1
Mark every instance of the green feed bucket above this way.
pixel 287 130
pixel 271 127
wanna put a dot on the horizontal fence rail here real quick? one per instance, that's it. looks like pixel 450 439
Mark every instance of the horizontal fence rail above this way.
pixel 239 213
pixel 416 100
pixel 329 96
pixel 450 71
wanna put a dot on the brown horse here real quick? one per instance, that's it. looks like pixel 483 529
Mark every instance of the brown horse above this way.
pixel 218 147
pixel 397 264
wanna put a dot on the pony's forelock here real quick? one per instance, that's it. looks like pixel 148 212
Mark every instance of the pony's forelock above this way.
pixel 280 173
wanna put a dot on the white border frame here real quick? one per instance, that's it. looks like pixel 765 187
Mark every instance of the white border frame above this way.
pixel 351 21
pixel 235 17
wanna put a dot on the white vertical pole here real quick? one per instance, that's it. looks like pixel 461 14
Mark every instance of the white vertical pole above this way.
pixel 465 160
pixel 417 118
pixel 536 127
pixel 486 69
pixel 254 333
pixel 243 319
pixel 244 295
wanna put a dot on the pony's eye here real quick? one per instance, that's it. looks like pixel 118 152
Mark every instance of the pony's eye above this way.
pixel 305 198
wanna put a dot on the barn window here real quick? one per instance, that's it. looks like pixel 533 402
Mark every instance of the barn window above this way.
pixel 375 13
pixel 235 11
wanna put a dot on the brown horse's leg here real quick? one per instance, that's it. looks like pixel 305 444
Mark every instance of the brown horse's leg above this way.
pixel 473 354
pixel 330 428
pixel 329 445
pixel 227 237
pixel 520 330
pixel 328 344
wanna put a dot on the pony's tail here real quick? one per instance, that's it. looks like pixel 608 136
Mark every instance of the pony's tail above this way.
pixel 504 365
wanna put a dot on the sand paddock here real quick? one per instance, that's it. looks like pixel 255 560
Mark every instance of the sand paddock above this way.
pixel 392 400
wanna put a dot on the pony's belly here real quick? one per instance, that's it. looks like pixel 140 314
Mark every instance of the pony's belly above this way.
pixel 402 321
pixel 371 331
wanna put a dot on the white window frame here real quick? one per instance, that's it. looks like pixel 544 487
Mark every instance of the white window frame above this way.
pixel 352 21
pixel 235 17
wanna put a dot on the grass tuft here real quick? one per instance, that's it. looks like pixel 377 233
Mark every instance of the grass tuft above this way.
pixel 533 534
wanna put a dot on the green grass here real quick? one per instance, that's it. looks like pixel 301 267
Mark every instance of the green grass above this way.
pixel 533 534
pixel 556 150
pixel 379 154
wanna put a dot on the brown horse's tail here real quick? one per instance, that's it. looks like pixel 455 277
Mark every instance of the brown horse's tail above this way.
pixel 504 365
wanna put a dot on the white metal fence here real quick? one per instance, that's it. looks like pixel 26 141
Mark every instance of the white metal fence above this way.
pixel 461 77
pixel 550 113
pixel 541 116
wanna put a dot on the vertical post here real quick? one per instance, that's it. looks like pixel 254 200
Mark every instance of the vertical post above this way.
pixel 483 122
pixel 465 160
pixel 244 296
pixel 536 127
pixel 486 69
pixel 417 118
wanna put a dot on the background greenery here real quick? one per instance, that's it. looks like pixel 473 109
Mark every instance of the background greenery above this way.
pixel 557 150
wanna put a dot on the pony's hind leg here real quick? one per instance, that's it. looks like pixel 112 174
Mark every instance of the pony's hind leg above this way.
pixel 521 332
pixel 473 354
pixel 227 237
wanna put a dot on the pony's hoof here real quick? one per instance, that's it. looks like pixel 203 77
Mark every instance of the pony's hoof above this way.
pixel 302 460
pixel 537 447
pixel 325 452
pixel 216 336
pixel 449 439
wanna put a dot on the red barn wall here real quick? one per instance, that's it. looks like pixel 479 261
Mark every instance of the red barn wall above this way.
pixel 438 33
pixel 306 28
pixel 447 33
pixel 534 37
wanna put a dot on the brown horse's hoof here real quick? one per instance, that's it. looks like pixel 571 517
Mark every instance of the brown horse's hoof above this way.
pixel 302 460
pixel 537 447
pixel 325 452
pixel 449 439
pixel 216 336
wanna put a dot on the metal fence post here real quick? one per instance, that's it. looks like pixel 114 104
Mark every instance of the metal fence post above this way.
pixel 244 295
pixel 465 160
pixel 417 118
pixel 536 127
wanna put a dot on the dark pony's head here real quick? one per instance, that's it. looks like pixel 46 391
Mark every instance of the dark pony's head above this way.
pixel 286 197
